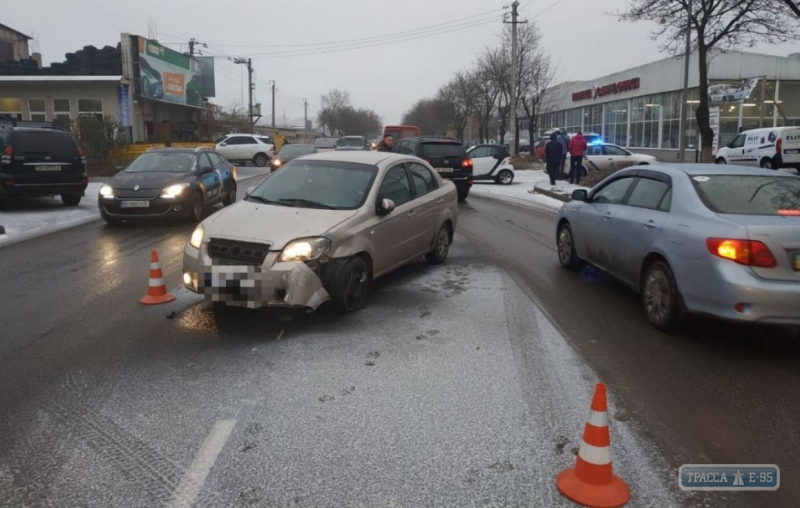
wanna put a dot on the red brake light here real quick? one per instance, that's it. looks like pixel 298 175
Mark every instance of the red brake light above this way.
pixel 789 213
pixel 9 151
pixel 466 163
pixel 779 145
pixel 81 152
pixel 744 252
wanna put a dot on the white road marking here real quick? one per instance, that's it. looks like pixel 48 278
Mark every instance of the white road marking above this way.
pixel 192 482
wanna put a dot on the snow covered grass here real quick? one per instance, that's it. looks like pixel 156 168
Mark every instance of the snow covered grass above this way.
pixel 521 189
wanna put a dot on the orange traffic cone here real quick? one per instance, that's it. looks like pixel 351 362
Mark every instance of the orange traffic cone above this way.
pixel 156 289
pixel 591 482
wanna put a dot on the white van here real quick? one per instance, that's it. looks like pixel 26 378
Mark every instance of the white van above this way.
pixel 771 148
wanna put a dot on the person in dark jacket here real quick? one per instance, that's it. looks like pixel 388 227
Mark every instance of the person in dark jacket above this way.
pixel 553 155
pixel 563 139
pixel 386 144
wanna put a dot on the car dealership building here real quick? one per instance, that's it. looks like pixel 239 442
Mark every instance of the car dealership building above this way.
pixel 639 108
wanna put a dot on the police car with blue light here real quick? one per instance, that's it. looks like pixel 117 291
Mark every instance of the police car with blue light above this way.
pixel 167 183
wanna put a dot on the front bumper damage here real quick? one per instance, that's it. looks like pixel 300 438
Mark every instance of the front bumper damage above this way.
pixel 273 284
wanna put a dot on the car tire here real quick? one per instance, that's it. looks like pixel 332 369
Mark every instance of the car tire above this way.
pixel 660 297
pixel 261 160
pixel 766 163
pixel 196 208
pixel 720 160
pixel 230 198
pixel 565 246
pixel 462 194
pixel 441 247
pixel 505 177
pixel 348 289
pixel 71 199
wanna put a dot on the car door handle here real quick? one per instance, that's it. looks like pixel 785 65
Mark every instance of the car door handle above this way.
pixel 650 224
pixel 440 201
pixel 412 214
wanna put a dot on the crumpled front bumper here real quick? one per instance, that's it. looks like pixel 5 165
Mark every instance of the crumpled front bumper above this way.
pixel 273 284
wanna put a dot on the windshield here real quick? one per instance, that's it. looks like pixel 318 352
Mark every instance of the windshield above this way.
pixel 350 142
pixel 296 150
pixel 265 139
pixel 162 163
pixel 749 195
pixel 301 183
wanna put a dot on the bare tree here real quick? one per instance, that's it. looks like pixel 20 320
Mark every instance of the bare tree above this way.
pixel 487 92
pixel 331 115
pixel 429 115
pixel 536 94
pixel 714 24
pixel 457 98
pixel 793 6
pixel 496 65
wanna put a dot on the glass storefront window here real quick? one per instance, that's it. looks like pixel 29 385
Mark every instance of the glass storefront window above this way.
pixel 615 124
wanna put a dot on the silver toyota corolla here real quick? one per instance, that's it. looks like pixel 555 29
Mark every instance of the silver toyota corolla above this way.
pixel 693 238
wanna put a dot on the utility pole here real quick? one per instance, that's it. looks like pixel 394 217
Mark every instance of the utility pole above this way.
pixel 272 82
pixel 192 42
pixel 250 86
pixel 514 63
pixel 685 93
pixel 305 118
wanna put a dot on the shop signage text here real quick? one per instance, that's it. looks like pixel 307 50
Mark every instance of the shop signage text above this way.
pixel 601 91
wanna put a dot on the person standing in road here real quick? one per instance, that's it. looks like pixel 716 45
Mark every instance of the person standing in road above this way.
pixel 277 141
pixel 577 149
pixel 553 155
pixel 563 140
pixel 386 144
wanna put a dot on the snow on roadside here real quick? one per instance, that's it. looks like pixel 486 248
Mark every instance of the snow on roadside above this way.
pixel 521 189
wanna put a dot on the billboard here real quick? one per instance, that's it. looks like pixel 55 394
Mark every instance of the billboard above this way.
pixel 731 92
pixel 168 76
pixel 207 73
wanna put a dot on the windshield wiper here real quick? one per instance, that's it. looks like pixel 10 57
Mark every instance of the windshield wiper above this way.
pixel 264 200
pixel 307 202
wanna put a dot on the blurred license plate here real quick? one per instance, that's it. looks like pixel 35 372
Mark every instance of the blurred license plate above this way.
pixel 791 151
pixel 444 170
pixel 134 204
pixel 48 168
pixel 797 262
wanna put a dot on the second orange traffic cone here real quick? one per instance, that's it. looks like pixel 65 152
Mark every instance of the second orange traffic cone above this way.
pixel 156 289
pixel 592 482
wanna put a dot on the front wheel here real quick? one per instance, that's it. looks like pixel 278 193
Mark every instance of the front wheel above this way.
pixel 720 160
pixel 71 199
pixel 230 198
pixel 505 177
pixel 348 290
pixel 441 247
pixel 566 248
pixel 260 160
pixel 196 208
pixel 660 296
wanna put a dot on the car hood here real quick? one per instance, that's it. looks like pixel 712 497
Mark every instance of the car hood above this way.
pixel 642 156
pixel 274 224
pixel 125 180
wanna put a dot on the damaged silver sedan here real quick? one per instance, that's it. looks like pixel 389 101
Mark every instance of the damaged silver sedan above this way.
pixel 322 229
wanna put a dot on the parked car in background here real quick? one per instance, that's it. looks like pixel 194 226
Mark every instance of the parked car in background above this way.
pixel 349 143
pixel 771 148
pixel 447 156
pixel 605 156
pixel 289 153
pixel 693 238
pixel 246 148
pixel 538 149
pixel 325 144
pixel 398 132
pixel 492 162
pixel 322 229
pixel 39 159
pixel 167 183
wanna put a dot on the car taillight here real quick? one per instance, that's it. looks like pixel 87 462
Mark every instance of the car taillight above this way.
pixel 9 151
pixel 779 145
pixel 744 252
pixel 6 158
pixel 82 155
pixel 466 163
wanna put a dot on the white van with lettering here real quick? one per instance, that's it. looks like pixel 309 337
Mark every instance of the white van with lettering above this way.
pixel 770 148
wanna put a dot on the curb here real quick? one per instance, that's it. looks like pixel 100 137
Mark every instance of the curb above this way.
pixel 30 235
pixel 551 194
pixel 521 203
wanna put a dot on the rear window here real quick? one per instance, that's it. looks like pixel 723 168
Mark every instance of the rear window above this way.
pixel 350 142
pixel 750 195
pixel 50 143
pixel 442 150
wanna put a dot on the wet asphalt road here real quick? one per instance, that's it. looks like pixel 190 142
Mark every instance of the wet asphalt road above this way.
pixel 451 388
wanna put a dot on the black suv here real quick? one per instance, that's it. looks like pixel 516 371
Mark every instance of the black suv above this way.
pixel 446 155
pixel 39 159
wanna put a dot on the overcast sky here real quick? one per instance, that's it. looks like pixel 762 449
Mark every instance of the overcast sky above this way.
pixel 298 43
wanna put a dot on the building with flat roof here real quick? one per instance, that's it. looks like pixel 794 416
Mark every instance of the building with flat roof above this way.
pixel 639 108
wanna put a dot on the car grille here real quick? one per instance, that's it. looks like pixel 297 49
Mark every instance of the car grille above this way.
pixel 154 209
pixel 140 194
pixel 232 252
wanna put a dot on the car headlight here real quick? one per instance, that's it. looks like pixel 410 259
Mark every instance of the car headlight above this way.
pixel 106 191
pixel 306 249
pixel 173 191
pixel 277 162
pixel 197 236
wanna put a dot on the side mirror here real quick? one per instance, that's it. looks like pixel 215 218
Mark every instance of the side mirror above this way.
pixel 580 195
pixel 249 191
pixel 223 144
pixel 387 207
pixel 206 170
